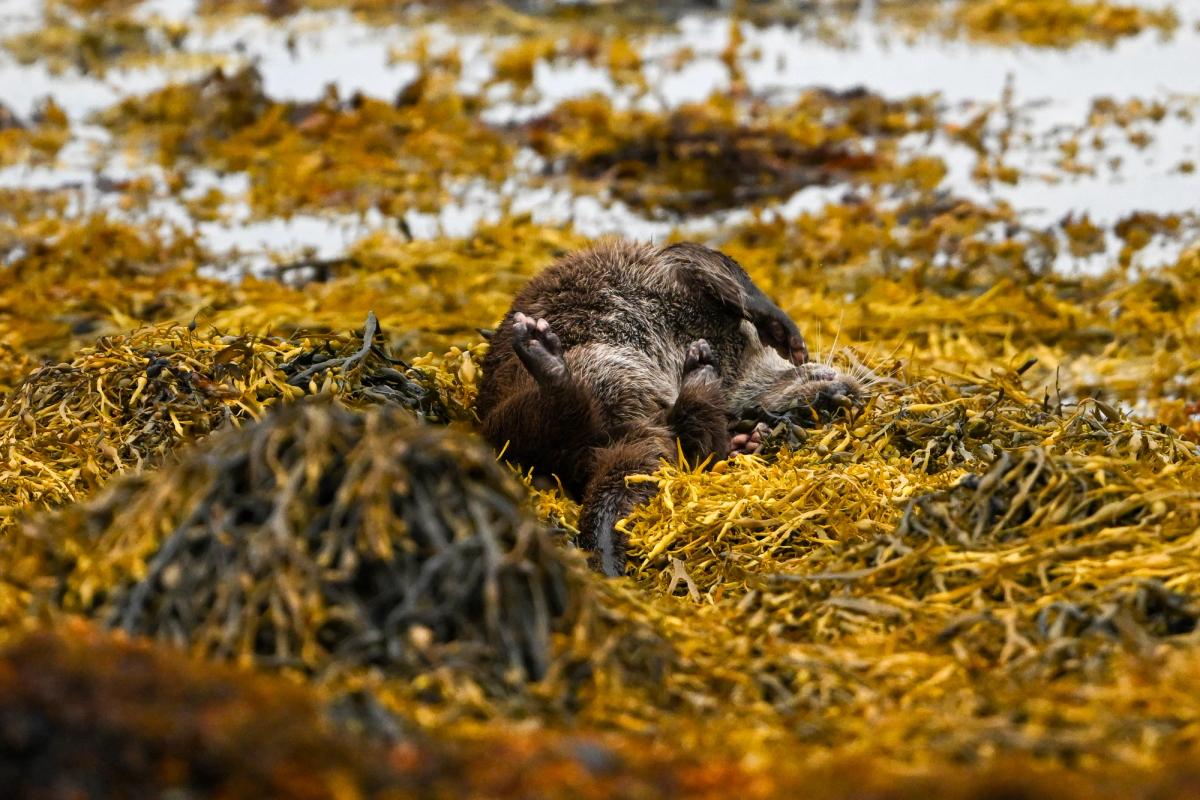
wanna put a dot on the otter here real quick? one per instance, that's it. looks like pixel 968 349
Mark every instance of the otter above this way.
pixel 615 356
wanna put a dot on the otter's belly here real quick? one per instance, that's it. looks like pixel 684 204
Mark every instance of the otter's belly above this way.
pixel 627 383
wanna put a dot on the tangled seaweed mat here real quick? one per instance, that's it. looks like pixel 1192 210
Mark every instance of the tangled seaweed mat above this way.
pixel 787 608
pixel 1044 606
pixel 784 610
pixel 961 572
pixel 972 571
pixel 73 280
pixel 951 576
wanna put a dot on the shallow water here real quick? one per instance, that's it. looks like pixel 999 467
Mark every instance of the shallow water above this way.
pixel 1051 90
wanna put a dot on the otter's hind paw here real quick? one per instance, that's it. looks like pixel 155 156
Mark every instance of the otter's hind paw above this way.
pixel 750 442
pixel 539 349
pixel 699 355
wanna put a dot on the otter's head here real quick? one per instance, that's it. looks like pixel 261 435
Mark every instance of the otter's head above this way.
pixel 775 386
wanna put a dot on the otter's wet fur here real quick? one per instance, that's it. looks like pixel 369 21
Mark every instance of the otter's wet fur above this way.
pixel 612 354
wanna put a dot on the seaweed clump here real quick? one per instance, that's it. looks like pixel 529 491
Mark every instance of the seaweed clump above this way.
pixel 38 140
pixel 320 539
pixel 353 154
pixel 723 153
pixel 91 46
pixel 129 401
pixel 1061 23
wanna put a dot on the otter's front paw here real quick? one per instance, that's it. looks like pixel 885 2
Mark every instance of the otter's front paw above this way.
pixel 838 395
pixel 539 349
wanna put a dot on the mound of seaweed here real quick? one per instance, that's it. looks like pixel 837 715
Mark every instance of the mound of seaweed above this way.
pixel 37 142
pixel 350 153
pixel 321 538
pixel 128 401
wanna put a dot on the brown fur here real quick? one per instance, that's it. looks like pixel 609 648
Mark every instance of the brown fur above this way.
pixel 614 353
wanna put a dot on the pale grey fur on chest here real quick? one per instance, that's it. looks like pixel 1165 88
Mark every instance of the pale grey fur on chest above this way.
pixel 637 383
pixel 764 378
pixel 628 383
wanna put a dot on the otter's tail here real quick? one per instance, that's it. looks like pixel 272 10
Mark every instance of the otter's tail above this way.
pixel 609 498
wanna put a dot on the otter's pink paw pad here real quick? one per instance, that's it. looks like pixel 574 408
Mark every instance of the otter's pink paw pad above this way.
pixel 539 348
pixel 748 443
